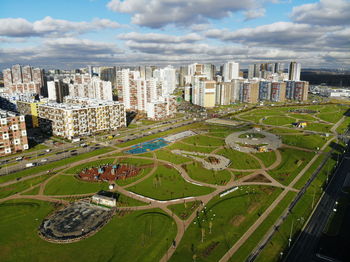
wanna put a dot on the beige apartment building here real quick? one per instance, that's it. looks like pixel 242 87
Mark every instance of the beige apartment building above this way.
pixel 81 116
pixel 13 133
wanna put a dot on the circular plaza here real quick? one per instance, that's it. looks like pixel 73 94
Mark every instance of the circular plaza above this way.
pixel 253 140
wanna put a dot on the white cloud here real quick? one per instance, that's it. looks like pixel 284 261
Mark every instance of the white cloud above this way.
pixel 280 34
pixel 19 27
pixel 160 38
pixel 159 13
pixel 325 12
pixel 254 13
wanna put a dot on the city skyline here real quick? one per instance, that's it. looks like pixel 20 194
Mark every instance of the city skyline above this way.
pixel 78 33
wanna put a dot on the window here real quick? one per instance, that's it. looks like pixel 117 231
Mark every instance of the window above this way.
pixel 5 136
pixel 25 146
pixel 24 132
pixel 14 127
pixel 17 141
pixel 7 150
pixel 3 121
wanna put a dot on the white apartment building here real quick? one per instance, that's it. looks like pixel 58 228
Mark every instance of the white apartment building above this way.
pixel 230 71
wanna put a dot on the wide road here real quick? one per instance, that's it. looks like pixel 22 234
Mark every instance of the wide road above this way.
pixel 304 248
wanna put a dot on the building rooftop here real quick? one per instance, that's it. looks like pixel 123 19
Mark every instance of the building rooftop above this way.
pixel 5 113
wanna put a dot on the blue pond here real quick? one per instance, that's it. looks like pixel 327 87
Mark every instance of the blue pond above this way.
pixel 147 146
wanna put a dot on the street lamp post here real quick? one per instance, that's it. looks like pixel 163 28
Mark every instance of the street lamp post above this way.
pixel 290 235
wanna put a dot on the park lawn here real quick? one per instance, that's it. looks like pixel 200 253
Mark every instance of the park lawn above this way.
pixel 49 166
pixel 279 120
pixel 244 251
pixel 166 155
pixel 135 161
pixel 199 173
pixel 318 127
pixel 191 148
pixel 298 217
pixel 147 154
pixel 21 185
pixel 184 210
pixel 229 217
pixel 33 191
pixel 332 117
pixel 304 141
pixel 201 140
pixel 125 182
pixel 268 158
pixel 166 183
pixel 343 126
pixel 69 185
pixel 278 130
pixel 301 182
pixel 221 134
pixel 302 117
pixel 293 161
pixel 125 201
pixel 151 233
pixel 252 117
pixel 97 163
pixel 239 160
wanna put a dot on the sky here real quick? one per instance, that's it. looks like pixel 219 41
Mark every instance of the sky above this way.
pixel 76 33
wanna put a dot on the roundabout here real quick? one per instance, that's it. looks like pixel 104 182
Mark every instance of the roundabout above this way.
pixel 253 140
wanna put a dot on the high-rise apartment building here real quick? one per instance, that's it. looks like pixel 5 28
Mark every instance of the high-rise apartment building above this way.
pixel 264 90
pixel 25 79
pixel 294 70
pixel 162 109
pixel 278 91
pixel 249 92
pixel 57 90
pixel 230 71
pixel 13 133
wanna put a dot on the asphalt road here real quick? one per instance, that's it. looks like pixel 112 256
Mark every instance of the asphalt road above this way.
pixel 304 249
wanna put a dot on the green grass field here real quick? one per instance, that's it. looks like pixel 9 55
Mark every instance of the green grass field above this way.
pixel 228 217
pixel 304 141
pixel 146 240
pixel 125 182
pixel 166 183
pixel 279 120
pixel 244 251
pixel 184 210
pixel 168 156
pixel 293 161
pixel 300 213
pixel 190 148
pixel 69 185
pixel 239 160
pixel 20 186
pixel 201 140
pixel 268 158
pixel 199 173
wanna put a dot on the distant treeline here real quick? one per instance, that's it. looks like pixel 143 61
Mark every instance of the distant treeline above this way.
pixel 330 79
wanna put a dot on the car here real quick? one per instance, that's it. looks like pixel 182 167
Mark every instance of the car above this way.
pixel 43 160
pixel 19 158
